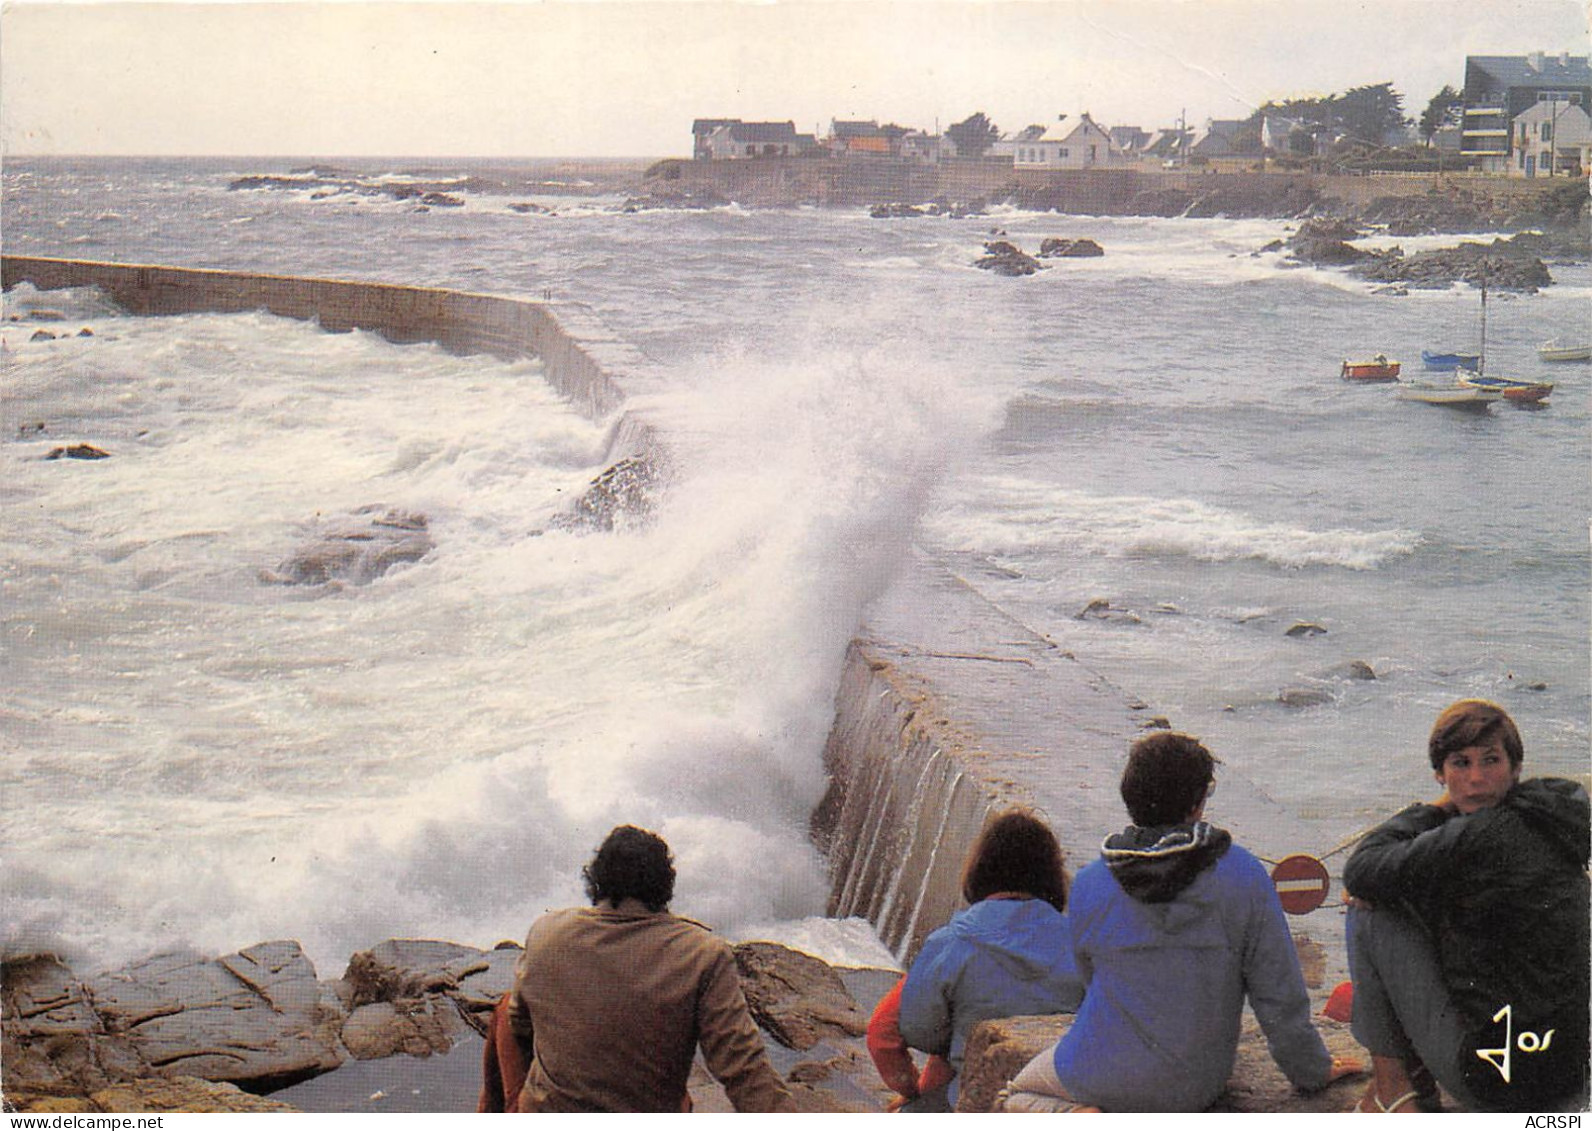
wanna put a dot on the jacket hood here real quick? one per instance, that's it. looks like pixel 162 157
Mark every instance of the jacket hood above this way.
pixel 1028 937
pixel 1154 864
pixel 1558 809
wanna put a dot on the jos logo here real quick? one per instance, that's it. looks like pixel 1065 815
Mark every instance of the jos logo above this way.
pixel 1501 1058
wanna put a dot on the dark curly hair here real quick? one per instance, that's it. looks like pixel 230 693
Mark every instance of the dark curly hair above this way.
pixel 1167 775
pixel 1016 852
pixel 1473 722
pixel 631 863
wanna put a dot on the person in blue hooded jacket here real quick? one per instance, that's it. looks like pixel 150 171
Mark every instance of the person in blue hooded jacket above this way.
pixel 1006 955
pixel 1173 927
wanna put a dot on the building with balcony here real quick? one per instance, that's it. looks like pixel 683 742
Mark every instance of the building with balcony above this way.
pixel 1498 88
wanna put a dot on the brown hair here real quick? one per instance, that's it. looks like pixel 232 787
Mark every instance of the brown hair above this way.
pixel 1016 851
pixel 631 863
pixel 1167 775
pixel 1473 722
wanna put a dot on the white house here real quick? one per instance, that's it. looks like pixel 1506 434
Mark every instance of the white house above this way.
pixel 1080 145
pixel 921 147
pixel 1551 137
pixel 733 139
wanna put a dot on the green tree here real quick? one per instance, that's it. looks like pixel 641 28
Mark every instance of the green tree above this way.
pixel 973 136
pixel 1368 113
pixel 1439 111
pixel 1364 113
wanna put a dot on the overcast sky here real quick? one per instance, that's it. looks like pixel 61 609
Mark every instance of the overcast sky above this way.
pixel 615 78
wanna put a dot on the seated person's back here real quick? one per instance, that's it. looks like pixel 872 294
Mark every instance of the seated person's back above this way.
pixel 1172 928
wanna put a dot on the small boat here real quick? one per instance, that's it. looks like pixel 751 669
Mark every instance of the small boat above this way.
pixel 1448 361
pixel 1564 351
pixel 1522 392
pixel 1450 396
pixel 1379 368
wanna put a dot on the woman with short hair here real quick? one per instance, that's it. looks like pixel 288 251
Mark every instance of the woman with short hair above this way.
pixel 1468 934
pixel 1009 953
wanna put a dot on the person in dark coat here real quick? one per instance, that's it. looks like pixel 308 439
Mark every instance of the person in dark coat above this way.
pixel 1468 931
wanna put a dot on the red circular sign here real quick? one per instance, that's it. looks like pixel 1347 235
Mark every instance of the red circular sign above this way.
pixel 1302 884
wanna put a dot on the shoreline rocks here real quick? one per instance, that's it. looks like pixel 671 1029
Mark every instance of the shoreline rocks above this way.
pixel 179 1032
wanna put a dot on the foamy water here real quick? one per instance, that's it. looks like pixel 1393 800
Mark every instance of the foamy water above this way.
pixel 436 753
pixel 193 757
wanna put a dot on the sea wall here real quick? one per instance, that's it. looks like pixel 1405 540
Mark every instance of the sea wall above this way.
pixel 583 361
pixel 946 707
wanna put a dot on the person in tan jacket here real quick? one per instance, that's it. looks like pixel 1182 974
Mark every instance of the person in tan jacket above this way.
pixel 614 999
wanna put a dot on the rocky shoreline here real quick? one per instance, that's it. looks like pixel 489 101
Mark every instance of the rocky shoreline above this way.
pixel 181 1032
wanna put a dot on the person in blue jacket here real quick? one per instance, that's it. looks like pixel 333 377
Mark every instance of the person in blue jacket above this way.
pixel 1173 927
pixel 1006 955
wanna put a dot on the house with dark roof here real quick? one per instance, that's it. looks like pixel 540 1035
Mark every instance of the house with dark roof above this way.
pixel 1129 139
pixel 1217 138
pixel 733 139
pixel 1167 146
pixel 1498 88
pixel 700 131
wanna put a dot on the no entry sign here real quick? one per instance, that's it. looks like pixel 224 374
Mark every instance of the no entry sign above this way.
pixel 1302 884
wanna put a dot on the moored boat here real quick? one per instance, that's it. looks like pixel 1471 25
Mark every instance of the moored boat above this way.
pixel 1445 361
pixel 1450 396
pixel 1523 392
pixel 1378 368
pixel 1557 350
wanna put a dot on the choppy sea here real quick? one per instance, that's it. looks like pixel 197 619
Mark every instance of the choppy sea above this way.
pixel 192 757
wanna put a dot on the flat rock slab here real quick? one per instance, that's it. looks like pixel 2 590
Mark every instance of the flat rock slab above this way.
pixel 998 1050
pixel 797 998
pixel 180 1093
pixel 52 1038
pixel 258 1018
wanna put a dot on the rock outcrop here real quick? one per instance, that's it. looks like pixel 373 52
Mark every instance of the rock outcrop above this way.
pixel 797 998
pixel 625 490
pixel 896 210
pixel 410 976
pixel 1505 265
pixel 179 1093
pixel 1004 258
pixel 1054 247
pixel 183 1033
pixel 356 550
pixel 76 451
pixel 257 1019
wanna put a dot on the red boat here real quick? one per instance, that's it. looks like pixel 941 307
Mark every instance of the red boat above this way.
pixel 1379 368
pixel 1524 392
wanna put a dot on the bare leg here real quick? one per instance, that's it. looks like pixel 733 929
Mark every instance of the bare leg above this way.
pixel 1390 1089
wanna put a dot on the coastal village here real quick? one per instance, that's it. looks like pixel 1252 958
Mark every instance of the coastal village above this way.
pixel 1513 115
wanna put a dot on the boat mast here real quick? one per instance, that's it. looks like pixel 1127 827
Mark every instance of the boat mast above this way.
pixel 1481 360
